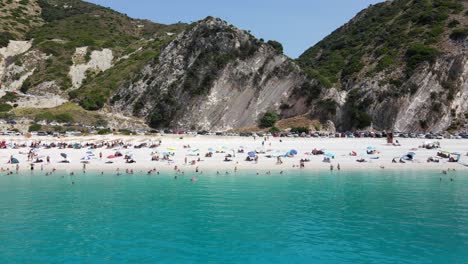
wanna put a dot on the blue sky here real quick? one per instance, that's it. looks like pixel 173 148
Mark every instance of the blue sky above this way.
pixel 297 24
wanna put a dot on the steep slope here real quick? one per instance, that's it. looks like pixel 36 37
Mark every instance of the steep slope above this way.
pixel 17 18
pixel 212 76
pixel 400 65
pixel 65 45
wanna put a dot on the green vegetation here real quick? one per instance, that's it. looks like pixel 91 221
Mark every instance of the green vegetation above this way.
pixel 34 128
pixel 358 110
pixel 65 113
pixel 382 33
pixel 95 92
pixel 276 45
pixel 85 24
pixel 459 34
pixel 269 119
pixel 309 90
pixel 300 130
pixel 5 107
pixel 328 106
pixel 5 38
pixel 105 131
pixel 125 132
pixel 49 117
pixel 274 130
pixel 212 60
pixel 199 76
pixel 9 97
pixel 419 53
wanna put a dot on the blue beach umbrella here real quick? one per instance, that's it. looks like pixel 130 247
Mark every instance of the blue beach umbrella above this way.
pixel 293 152
pixel 251 154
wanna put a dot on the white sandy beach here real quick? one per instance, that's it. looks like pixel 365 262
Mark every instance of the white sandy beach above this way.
pixel 199 145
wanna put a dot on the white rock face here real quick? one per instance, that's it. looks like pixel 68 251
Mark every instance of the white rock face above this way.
pixel 14 48
pixel 45 101
pixel 255 79
pixel 418 107
pixel 100 61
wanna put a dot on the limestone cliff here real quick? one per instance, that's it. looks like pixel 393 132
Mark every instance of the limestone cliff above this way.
pixel 212 76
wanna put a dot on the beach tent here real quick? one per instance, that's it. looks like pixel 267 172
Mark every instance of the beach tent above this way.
pixel 14 161
pixel 87 158
pixel 454 157
pixel 409 156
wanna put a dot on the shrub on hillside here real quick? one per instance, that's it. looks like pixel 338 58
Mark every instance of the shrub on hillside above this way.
pixel 5 107
pixel 276 45
pixel 34 128
pixel 269 119
pixel 300 130
pixel 459 34
pixel 419 53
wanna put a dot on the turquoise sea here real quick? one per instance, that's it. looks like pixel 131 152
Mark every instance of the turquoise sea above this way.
pixel 322 217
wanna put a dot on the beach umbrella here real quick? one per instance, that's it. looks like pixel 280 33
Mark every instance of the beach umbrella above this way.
pixel 211 150
pixel 171 148
pixel 63 155
pixel 370 148
pixel 293 152
pixel 331 155
pixel 86 158
pixel 251 154
pixel 111 157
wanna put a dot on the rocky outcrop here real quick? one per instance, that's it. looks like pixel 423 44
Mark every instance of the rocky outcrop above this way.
pixel 99 61
pixel 212 76
pixel 13 49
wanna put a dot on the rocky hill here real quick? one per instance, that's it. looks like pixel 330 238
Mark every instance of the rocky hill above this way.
pixel 399 65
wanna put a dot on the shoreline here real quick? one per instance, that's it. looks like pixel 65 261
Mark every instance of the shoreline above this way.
pixel 192 148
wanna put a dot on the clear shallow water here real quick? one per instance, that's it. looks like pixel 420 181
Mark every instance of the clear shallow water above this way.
pixel 347 217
